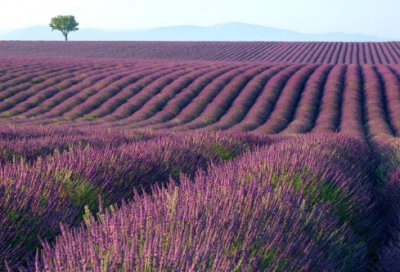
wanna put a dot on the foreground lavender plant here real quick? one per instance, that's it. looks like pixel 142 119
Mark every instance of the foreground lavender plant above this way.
pixel 213 228
pixel 387 150
pixel 259 212
pixel 37 193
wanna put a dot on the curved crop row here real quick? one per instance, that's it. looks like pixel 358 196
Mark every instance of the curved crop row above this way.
pixel 308 107
pixel 283 111
pixel 135 102
pixel 44 100
pixel 200 102
pixel 222 101
pixel 13 97
pixel 42 94
pixel 391 77
pixel 329 111
pixel 126 93
pixel 29 79
pixel 104 94
pixel 374 103
pixel 182 99
pixel 264 104
pixel 245 99
pixel 158 101
pixel 53 101
pixel 352 121
pixel 12 71
pixel 78 98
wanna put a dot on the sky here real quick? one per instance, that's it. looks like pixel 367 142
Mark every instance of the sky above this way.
pixel 369 17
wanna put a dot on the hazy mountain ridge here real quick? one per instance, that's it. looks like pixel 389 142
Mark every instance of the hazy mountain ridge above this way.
pixel 220 32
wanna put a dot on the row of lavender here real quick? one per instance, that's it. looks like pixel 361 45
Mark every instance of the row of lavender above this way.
pixel 48 175
pixel 318 202
pixel 179 96
pixel 387 154
pixel 292 52
pixel 278 99
pixel 306 203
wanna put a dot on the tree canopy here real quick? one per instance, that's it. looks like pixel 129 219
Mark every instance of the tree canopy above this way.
pixel 65 24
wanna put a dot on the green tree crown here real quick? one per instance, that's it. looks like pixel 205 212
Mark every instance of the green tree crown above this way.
pixel 65 24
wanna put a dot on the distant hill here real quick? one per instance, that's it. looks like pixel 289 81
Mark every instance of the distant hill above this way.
pixel 221 32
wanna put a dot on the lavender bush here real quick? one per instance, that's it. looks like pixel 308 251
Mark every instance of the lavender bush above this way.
pixel 70 179
pixel 234 217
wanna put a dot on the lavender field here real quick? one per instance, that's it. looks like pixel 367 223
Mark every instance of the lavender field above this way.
pixel 290 52
pixel 135 156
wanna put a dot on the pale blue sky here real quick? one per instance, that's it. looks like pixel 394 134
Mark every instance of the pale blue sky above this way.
pixel 371 17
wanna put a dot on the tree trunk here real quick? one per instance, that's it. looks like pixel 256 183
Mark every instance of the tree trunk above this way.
pixel 65 36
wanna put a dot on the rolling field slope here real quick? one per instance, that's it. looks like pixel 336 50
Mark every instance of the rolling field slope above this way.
pixel 292 52
pixel 146 156
pixel 267 98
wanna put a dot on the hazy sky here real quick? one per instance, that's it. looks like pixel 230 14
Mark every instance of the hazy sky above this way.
pixel 371 17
